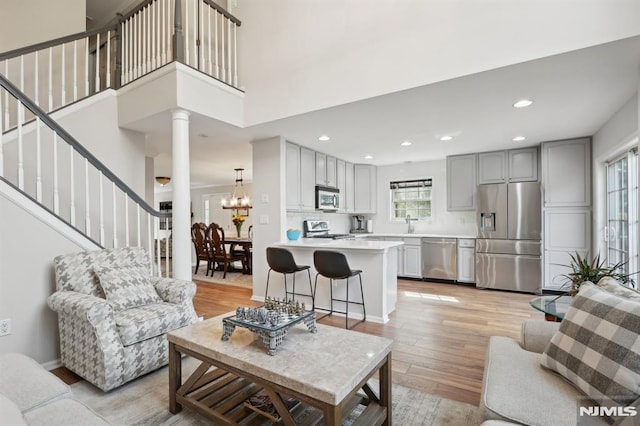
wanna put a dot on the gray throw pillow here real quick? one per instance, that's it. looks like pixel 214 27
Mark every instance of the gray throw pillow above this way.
pixel 597 347
pixel 127 288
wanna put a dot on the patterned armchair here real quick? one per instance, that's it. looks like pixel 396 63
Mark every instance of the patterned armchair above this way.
pixel 113 316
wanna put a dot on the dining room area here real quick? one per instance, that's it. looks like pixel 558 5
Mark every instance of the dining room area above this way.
pixel 221 231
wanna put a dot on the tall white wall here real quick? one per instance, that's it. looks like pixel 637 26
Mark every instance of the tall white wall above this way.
pixel 442 222
pixel 298 56
pixel 26 22
pixel 613 139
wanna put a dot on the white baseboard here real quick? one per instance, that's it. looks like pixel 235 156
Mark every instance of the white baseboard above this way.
pixel 52 365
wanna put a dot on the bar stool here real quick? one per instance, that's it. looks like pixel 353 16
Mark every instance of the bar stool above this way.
pixel 282 261
pixel 334 265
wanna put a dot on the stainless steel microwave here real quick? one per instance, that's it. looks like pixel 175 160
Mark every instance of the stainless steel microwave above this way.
pixel 327 199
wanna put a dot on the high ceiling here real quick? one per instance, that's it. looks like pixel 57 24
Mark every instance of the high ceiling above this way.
pixel 574 94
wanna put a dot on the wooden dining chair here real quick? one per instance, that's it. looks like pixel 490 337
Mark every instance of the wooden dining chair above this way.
pixel 220 254
pixel 201 245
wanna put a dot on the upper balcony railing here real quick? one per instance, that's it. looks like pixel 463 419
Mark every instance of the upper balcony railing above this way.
pixel 56 73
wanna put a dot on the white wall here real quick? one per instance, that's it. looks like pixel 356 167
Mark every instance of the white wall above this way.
pixel 26 22
pixel 613 139
pixel 299 56
pixel 27 249
pixel 442 222
pixel 269 192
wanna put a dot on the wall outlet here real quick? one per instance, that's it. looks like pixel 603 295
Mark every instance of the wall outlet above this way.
pixel 5 327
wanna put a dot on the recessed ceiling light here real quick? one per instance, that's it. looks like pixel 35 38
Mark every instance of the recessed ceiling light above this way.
pixel 405 143
pixel 518 139
pixel 368 157
pixel 523 103
pixel 446 138
pixel 324 138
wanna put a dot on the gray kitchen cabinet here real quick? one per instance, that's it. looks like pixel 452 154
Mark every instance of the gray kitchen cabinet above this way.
pixel 461 182
pixel 300 178
pixel 492 167
pixel 332 168
pixel 566 173
pixel 523 165
pixel 566 182
pixel 325 170
pixel 341 181
pixel 400 271
pixel 466 260
pixel 412 258
pixel 365 188
pixel 321 169
pixel 348 199
pixel 307 179
pixel 292 162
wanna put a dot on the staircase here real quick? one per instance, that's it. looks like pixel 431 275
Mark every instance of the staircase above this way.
pixel 48 166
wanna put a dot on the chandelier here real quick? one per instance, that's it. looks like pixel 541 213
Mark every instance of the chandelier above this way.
pixel 239 199
pixel 163 180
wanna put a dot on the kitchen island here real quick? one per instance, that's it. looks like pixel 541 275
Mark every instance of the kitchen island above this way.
pixel 378 261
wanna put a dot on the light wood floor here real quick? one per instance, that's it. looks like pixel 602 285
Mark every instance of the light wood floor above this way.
pixel 440 331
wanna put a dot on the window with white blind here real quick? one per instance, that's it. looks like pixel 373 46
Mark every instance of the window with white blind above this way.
pixel 411 198
pixel 622 212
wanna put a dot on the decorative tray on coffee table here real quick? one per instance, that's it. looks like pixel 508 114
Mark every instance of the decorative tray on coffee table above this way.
pixel 270 321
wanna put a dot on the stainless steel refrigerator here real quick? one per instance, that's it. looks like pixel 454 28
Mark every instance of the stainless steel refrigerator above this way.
pixel 508 248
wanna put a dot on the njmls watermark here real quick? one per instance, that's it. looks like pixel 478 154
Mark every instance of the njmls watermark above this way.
pixel 616 411
pixel 623 415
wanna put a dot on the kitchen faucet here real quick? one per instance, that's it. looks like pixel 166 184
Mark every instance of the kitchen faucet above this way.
pixel 409 219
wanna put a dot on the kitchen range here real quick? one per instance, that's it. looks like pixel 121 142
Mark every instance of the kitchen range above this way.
pixel 321 229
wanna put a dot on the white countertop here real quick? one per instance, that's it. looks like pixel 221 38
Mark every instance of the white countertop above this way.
pixel 357 244
pixel 405 235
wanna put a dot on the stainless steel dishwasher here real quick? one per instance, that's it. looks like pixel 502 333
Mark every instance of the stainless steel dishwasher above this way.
pixel 439 258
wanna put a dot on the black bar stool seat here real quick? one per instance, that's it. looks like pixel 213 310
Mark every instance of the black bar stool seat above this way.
pixel 334 265
pixel 281 260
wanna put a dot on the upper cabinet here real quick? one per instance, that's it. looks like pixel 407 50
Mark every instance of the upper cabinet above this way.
pixel 515 165
pixel 341 181
pixel 300 172
pixel 364 188
pixel 326 168
pixel 348 198
pixel 307 179
pixel 492 167
pixel 566 173
pixel 461 182
pixel 523 165
pixel 292 161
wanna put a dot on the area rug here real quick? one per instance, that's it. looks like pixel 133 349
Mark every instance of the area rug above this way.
pixel 145 401
pixel 235 279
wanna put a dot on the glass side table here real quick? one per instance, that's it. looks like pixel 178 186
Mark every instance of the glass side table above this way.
pixel 553 307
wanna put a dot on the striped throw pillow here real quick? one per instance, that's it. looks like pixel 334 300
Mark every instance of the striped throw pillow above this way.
pixel 597 347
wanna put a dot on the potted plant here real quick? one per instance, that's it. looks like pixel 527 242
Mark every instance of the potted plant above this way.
pixel 585 269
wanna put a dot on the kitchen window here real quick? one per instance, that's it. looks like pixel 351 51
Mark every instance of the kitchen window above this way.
pixel 411 198
pixel 622 212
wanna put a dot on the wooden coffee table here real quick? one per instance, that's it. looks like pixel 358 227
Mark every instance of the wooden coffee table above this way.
pixel 323 370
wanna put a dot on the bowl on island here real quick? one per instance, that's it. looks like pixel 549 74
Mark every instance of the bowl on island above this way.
pixel 293 234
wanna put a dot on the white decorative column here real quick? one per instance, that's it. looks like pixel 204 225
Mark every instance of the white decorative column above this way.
pixel 181 181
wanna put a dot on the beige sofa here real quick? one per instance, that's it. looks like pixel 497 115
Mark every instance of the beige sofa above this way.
pixel 516 388
pixel 30 395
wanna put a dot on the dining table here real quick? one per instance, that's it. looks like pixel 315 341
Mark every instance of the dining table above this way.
pixel 247 246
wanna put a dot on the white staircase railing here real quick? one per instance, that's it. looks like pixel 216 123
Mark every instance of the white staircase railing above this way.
pixel 43 161
pixel 56 73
